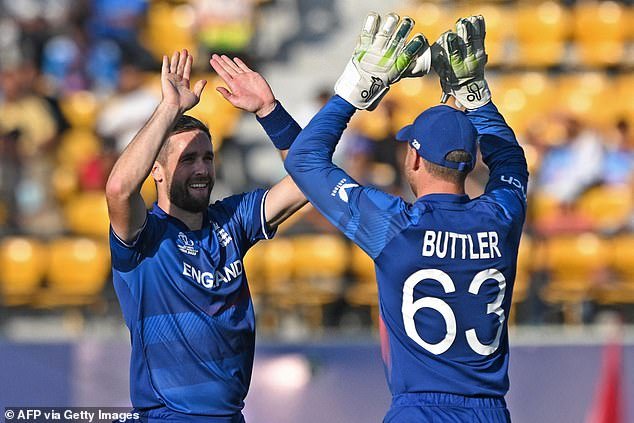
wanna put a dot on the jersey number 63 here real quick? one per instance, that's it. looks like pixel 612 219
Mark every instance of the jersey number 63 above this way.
pixel 410 307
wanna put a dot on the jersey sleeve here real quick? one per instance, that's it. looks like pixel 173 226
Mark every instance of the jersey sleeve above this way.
pixel 508 172
pixel 127 255
pixel 367 216
pixel 245 214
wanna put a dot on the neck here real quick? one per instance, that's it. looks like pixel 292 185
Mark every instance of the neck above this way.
pixel 194 221
pixel 436 186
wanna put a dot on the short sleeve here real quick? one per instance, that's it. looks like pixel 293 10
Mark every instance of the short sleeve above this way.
pixel 125 256
pixel 246 213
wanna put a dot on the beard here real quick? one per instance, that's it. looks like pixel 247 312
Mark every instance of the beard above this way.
pixel 189 199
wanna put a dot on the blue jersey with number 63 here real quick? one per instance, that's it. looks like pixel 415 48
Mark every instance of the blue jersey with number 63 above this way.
pixel 445 265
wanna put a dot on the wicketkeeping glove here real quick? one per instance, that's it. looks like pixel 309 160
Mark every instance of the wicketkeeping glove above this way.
pixel 381 58
pixel 459 59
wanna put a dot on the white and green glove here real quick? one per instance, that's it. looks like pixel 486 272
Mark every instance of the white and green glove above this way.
pixel 381 58
pixel 459 58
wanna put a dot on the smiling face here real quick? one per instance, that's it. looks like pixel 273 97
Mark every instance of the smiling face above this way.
pixel 185 175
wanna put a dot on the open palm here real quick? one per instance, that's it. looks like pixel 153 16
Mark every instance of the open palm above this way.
pixel 248 90
pixel 175 85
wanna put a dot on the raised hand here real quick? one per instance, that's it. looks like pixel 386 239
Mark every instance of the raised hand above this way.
pixel 175 86
pixel 248 90
pixel 459 59
pixel 382 56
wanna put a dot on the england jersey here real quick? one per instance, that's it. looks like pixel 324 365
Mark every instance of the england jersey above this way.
pixel 445 264
pixel 185 298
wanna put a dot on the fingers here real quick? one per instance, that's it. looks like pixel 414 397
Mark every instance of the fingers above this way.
pixel 231 65
pixel 188 67
pixel 368 32
pixel 182 60
pixel 198 88
pixel 472 31
pixel 219 67
pixel 414 47
pixel 386 31
pixel 400 36
pixel 174 62
pixel 165 67
pixel 224 92
pixel 242 65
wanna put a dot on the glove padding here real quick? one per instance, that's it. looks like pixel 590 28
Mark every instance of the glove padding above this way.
pixel 380 59
pixel 459 59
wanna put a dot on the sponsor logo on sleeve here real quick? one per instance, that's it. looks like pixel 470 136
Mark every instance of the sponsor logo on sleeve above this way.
pixel 341 189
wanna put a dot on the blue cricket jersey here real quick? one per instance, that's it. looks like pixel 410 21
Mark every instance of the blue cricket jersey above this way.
pixel 185 299
pixel 445 265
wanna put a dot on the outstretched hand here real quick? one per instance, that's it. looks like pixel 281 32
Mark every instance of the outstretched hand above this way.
pixel 175 82
pixel 248 90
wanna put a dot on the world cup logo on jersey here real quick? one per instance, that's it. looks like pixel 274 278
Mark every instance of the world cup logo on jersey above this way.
pixel 186 245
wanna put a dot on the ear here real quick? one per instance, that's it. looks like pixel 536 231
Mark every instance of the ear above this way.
pixel 415 161
pixel 157 172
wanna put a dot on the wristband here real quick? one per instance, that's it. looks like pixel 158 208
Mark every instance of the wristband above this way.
pixel 280 127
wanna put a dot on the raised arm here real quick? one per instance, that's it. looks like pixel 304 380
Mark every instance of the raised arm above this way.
pixel 123 191
pixel 366 215
pixel 459 59
pixel 249 91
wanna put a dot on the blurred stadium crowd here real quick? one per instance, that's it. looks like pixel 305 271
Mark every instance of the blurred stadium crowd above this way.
pixel 79 78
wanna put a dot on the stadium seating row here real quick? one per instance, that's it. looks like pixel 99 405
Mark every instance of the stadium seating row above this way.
pixel 539 34
pixel 305 273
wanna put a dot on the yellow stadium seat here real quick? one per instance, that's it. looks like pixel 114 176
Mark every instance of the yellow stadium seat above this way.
pixel 76 147
pixel 608 207
pixel 621 290
pixel 65 182
pixel 216 112
pixel 87 214
pixel 431 19
pixel 80 109
pixel 574 262
pixel 541 30
pixel 600 32
pixel 587 95
pixel 623 94
pixel 412 96
pixel 543 207
pixel 169 28
pixel 77 272
pixel 523 98
pixel 364 291
pixel 525 263
pixel 23 262
pixel 319 262
pixel 148 192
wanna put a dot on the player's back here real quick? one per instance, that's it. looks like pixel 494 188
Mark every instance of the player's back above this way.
pixel 445 284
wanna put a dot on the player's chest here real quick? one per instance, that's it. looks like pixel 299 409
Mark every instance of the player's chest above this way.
pixel 207 260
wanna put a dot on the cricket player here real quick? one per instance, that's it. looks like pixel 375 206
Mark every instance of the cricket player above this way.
pixel 445 264
pixel 178 269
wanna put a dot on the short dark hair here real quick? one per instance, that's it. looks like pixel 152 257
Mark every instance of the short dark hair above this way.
pixel 446 173
pixel 185 123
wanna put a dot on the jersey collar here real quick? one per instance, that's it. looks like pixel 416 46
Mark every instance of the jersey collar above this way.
pixel 445 198
pixel 164 215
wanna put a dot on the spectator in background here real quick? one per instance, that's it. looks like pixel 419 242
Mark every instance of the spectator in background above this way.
pixel 225 26
pixel 29 131
pixel 618 164
pixel 129 107
pixel 574 165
